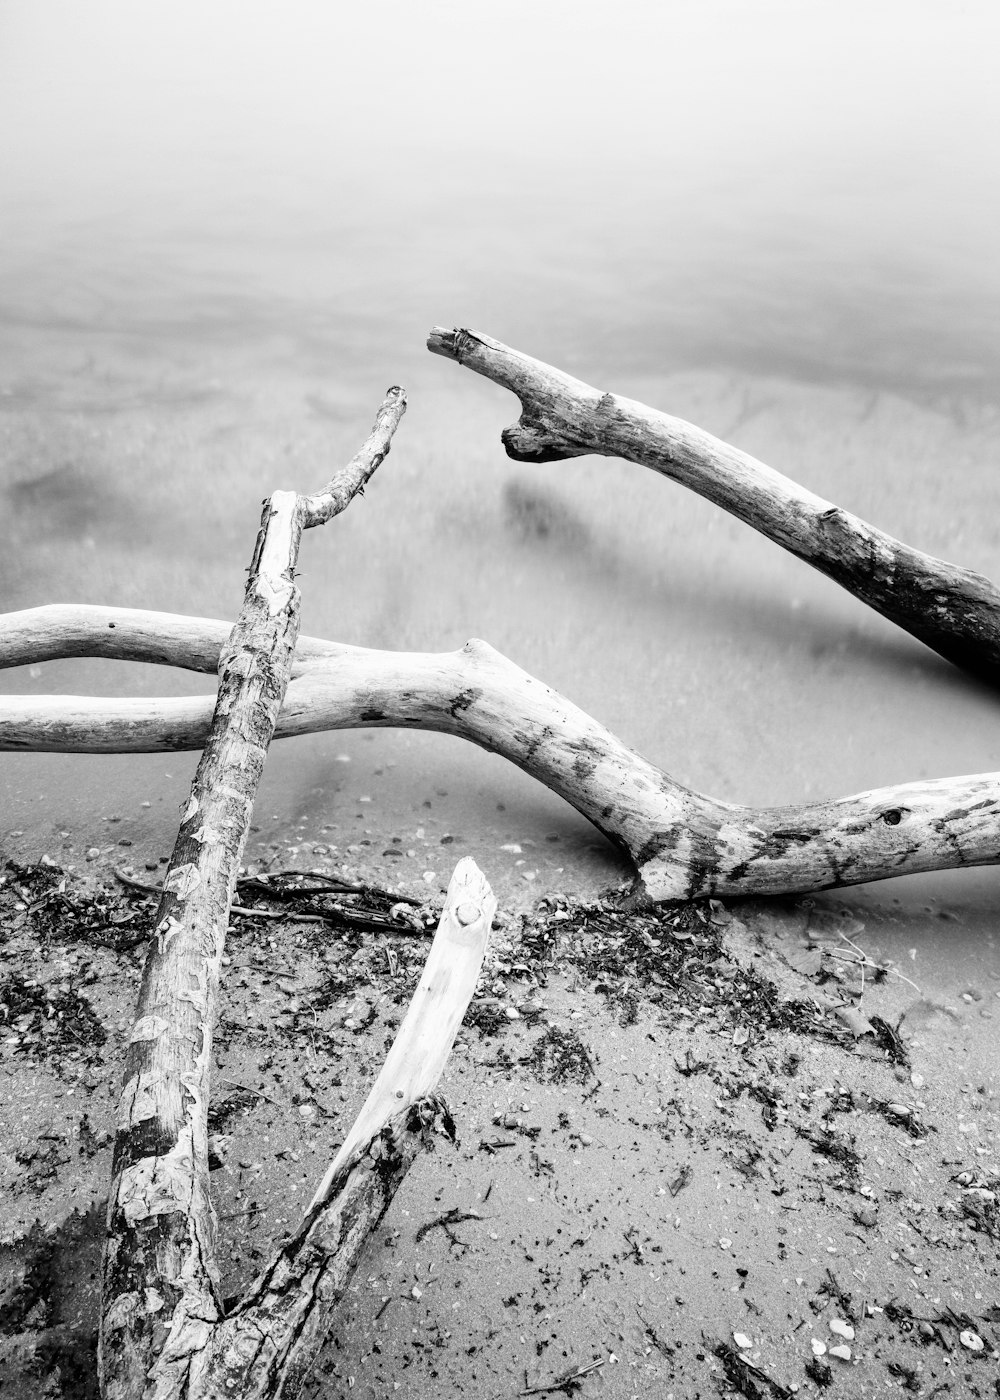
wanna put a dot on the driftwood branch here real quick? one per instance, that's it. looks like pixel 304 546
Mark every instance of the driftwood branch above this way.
pixel 58 630
pixel 271 1337
pixel 160 1280
pixel 683 844
pixel 268 1341
pixel 953 610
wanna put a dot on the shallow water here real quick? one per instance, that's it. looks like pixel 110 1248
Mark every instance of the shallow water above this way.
pixel 202 301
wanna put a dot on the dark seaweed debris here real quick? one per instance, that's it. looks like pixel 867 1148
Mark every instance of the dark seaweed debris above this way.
pixel 341 903
pixel 888 1039
pixel 664 955
pixel 488 1017
pixel 61 909
pixel 558 1056
pixel 51 1021
pixel 49 1304
pixel 749 1380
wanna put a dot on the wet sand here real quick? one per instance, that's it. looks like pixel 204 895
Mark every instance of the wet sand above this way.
pixel 676 1160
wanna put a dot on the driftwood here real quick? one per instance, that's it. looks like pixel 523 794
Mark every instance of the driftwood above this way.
pixel 160 1288
pixel 164 1335
pixel 269 1340
pixel 682 843
pixel 953 610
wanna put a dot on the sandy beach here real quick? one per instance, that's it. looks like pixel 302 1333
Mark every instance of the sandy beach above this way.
pixel 720 1148
pixel 686 1163
pixel 689 1202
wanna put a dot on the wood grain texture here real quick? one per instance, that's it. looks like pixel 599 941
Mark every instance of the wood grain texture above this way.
pixel 423 1042
pixel 953 610
pixel 58 630
pixel 683 843
pixel 160 1280
pixel 160 1285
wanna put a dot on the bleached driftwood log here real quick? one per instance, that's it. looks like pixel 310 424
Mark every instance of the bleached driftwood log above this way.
pixel 953 610
pixel 160 1285
pixel 683 844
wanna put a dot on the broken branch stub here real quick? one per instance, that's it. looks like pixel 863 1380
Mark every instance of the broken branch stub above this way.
pixel 953 610
pixel 684 844
pixel 160 1278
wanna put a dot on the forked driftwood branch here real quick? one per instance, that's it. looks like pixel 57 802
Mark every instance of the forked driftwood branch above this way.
pixel 160 1291
pixel 682 843
pixel 953 610
pixel 266 1344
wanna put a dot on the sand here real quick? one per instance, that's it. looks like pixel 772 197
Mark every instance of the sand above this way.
pixel 678 1162
pixel 680 1197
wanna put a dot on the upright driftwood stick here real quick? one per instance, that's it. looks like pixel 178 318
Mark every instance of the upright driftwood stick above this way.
pixel 953 610
pixel 160 1279
pixel 683 843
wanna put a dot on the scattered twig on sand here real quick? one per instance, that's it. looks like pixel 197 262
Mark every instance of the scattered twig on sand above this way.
pixel 251 1090
pixel 233 908
pixel 635 1247
pixel 268 887
pixel 566 1380
pixel 661 1346
pixel 241 1214
pixel 491 1145
pixel 888 1038
pixel 750 1380
pixel 278 884
pixel 132 884
pixel 444 1222
pixel 681 1179
pixel 859 958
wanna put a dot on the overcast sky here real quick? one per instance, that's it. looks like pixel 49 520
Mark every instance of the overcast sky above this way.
pixel 174 97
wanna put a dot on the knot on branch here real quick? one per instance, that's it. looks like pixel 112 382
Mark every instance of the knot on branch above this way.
pixel 531 442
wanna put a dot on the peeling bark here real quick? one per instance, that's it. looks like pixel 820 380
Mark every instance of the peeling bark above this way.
pixel 160 1280
pixel 265 1346
pixel 684 844
pixel 950 609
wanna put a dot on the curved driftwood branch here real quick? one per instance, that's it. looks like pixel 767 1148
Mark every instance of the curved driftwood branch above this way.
pixel 160 1278
pixel 684 844
pixel 58 630
pixel 953 610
